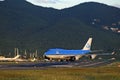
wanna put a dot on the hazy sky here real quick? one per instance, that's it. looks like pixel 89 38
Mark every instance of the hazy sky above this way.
pixel 60 4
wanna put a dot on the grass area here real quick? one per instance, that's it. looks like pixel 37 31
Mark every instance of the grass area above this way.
pixel 101 73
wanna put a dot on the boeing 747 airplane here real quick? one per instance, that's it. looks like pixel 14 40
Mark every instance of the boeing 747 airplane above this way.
pixel 71 55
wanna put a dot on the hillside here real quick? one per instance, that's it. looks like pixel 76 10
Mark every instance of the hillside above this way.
pixel 26 26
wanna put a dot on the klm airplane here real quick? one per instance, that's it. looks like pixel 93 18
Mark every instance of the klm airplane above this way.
pixel 70 55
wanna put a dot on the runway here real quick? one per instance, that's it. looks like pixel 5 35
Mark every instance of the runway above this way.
pixel 41 65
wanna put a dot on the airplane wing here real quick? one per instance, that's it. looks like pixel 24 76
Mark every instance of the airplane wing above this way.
pixel 93 56
pixel 96 51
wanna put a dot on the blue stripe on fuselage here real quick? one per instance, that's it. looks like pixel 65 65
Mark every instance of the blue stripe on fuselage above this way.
pixel 66 52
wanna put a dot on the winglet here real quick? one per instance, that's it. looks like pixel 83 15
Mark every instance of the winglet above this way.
pixel 113 53
pixel 88 44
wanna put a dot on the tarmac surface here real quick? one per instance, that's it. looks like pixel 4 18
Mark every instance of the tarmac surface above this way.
pixel 41 65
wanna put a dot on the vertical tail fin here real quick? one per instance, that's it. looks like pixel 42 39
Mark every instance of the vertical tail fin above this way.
pixel 88 44
pixel 16 57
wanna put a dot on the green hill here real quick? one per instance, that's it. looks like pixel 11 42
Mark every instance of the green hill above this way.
pixel 26 26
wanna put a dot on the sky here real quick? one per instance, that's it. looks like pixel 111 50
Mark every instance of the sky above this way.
pixel 61 4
